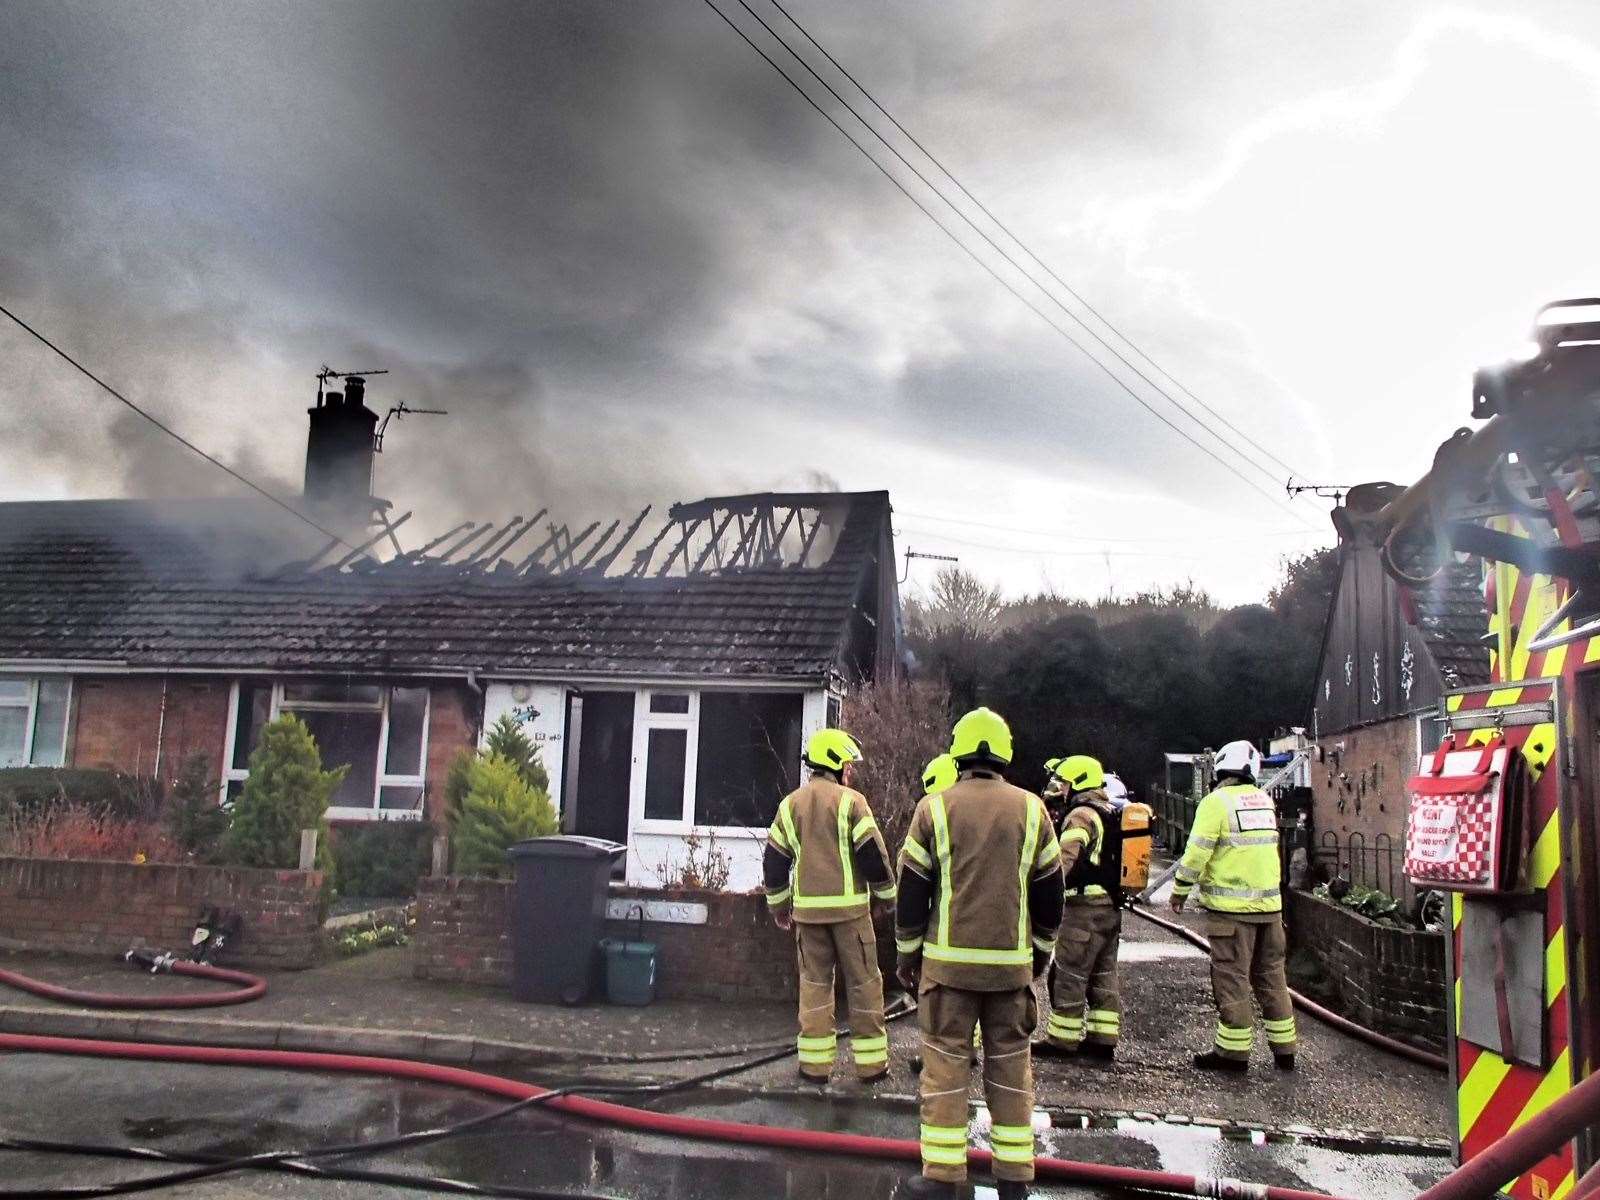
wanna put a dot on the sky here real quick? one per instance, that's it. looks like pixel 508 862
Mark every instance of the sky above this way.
pixel 636 267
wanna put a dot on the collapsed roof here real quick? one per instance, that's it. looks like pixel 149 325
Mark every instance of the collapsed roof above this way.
pixel 780 586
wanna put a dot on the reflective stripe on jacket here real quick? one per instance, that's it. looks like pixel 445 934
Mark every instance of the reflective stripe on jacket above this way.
pixel 819 828
pixel 978 849
pixel 1233 852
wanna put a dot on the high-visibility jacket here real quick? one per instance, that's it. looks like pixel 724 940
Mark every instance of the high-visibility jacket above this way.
pixel 1233 853
pixel 980 886
pixel 1090 860
pixel 824 854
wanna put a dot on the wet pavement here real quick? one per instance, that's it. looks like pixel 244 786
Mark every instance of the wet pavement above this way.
pixel 233 1110
pixel 371 1004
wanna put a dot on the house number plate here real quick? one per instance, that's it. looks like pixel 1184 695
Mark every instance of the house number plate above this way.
pixel 669 912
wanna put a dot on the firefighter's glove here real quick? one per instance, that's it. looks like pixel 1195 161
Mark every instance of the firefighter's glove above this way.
pixel 783 918
pixel 1041 961
pixel 1177 901
pixel 908 970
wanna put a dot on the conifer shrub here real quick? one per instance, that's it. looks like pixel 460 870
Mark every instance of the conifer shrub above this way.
pixel 287 791
pixel 500 808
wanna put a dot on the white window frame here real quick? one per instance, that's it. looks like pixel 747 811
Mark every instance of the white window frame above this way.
pixel 382 779
pixel 30 728
pixel 643 722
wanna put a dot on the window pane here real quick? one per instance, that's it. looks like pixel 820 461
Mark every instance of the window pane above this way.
pixel 333 693
pixel 348 738
pixel 235 786
pixel 255 705
pixel 663 774
pixel 400 797
pixel 669 702
pixel 15 691
pixel 749 756
pixel 50 723
pixel 13 731
pixel 408 709
pixel 833 712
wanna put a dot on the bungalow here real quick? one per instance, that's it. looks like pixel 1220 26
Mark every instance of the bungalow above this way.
pixel 671 690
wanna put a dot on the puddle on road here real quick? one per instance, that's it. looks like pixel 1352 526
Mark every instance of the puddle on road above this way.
pixel 1143 952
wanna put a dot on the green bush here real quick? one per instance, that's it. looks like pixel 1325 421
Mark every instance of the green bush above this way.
pixel 193 817
pixel 287 791
pixel 500 808
pixel 507 739
pixel 382 859
pixel 106 794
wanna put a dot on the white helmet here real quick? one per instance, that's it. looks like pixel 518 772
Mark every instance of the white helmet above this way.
pixel 1115 789
pixel 1238 758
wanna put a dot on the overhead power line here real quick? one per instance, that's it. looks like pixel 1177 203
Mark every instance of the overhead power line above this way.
pixel 1091 538
pixel 973 254
pixel 1004 228
pixel 167 429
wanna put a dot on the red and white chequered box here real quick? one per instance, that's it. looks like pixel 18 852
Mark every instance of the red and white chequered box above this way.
pixel 1454 829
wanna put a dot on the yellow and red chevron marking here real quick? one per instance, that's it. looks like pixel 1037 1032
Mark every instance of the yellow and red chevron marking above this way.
pixel 1493 1096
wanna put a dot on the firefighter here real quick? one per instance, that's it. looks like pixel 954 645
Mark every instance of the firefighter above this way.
pixel 1085 969
pixel 824 856
pixel 1232 856
pixel 939 774
pixel 976 921
pixel 1053 793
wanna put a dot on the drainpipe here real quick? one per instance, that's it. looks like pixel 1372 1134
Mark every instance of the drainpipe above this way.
pixel 161 726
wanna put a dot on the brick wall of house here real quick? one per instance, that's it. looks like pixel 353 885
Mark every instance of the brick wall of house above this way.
pixel 462 936
pixel 118 719
pixel 1390 980
pixel 115 719
pixel 107 907
pixel 1362 787
pixel 454 714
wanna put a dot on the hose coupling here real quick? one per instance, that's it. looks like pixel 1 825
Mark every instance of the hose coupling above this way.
pixel 1230 1189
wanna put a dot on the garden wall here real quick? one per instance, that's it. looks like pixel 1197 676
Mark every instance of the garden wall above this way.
pixel 1390 980
pixel 108 907
pixel 462 936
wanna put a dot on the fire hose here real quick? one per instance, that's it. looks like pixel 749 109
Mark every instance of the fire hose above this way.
pixel 251 987
pixel 1306 1004
pixel 636 1119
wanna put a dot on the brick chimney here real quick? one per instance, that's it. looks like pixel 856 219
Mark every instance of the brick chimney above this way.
pixel 339 453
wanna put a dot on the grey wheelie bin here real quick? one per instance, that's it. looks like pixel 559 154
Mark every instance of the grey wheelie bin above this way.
pixel 558 913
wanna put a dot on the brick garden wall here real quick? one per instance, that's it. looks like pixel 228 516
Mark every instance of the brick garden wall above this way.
pixel 462 936
pixel 107 907
pixel 1390 980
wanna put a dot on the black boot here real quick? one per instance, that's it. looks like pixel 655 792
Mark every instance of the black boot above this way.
pixel 1045 1048
pixel 1010 1189
pixel 1212 1061
pixel 920 1187
pixel 1284 1062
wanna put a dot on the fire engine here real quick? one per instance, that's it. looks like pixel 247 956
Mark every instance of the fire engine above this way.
pixel 1503 812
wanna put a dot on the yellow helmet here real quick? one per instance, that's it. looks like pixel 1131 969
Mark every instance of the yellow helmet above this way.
pixel 1080 772
pixel 830 749
pixel 1050 765
pixel 981 734
pixel 938 774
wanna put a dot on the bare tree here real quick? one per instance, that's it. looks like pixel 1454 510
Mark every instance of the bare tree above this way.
pixel 900 725
pixel 961 601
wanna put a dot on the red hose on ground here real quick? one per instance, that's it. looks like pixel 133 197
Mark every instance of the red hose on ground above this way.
pixel 669 1124
pixel 1426 1057
pixel 252 988
pixel 1523 1147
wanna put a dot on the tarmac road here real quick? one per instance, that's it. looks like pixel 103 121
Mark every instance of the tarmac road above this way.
pixel 232 1110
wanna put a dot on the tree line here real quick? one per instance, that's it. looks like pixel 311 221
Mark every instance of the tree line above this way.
pixel 1126 679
